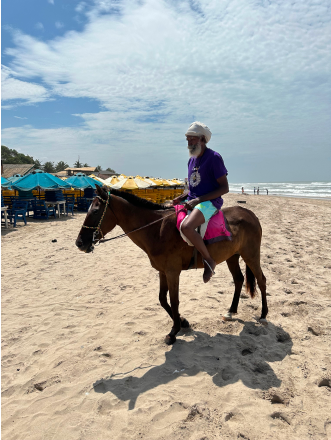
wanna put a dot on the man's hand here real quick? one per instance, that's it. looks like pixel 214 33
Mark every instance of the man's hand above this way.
pixel 191 204
pixel 176 201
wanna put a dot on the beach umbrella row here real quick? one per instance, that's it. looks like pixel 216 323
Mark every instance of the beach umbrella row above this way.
pixel 46 181
pixel 38 179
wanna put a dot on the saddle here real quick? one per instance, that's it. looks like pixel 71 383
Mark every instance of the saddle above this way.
pixel 212 231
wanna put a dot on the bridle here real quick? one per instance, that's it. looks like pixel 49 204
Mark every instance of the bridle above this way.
pixel 98 228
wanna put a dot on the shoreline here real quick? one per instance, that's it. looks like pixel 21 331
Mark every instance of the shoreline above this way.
pixel 283 196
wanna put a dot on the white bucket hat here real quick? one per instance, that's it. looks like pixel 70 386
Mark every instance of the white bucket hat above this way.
pixel 199 129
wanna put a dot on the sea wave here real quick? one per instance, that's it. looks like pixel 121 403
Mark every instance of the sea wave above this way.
pixel 286 189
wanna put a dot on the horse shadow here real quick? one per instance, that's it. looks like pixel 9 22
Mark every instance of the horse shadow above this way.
pixel 226 358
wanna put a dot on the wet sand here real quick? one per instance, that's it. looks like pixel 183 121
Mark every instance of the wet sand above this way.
pixel 83 355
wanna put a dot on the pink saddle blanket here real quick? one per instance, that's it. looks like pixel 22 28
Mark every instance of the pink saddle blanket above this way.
pixel 217 229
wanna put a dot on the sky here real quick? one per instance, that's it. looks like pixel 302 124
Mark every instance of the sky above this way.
pixel 117 83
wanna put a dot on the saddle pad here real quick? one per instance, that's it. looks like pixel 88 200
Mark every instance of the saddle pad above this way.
pixel 217 228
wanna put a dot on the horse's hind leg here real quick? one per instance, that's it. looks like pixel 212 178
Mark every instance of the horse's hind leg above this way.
pixel 238 278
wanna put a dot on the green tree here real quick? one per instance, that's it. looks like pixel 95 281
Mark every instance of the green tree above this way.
pixel 61 166
pixel 38 165
pixel 98 168
pixel 49 167
pixel 111 170
pixel 86 165
pixel 12 156
pixel 78 164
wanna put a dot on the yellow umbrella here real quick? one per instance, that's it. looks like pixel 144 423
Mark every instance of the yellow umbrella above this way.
pixel 171 182
pixel 146 179
pixel 99 179
pixel 160 182
pixel 131 183
pixel 121 176
pixel 112 180
pixel 178 182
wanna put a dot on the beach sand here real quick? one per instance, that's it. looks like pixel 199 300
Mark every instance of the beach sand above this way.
pixel 83 355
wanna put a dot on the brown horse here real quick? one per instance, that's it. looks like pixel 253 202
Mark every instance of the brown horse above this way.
pixel 154 231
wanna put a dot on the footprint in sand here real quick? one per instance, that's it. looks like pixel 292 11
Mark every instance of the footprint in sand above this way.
pixel 326 382
pixel 279 416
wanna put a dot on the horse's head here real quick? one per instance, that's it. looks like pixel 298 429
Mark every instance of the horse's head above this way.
pixel 99 220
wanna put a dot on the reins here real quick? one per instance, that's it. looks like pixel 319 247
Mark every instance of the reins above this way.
pixel 98 228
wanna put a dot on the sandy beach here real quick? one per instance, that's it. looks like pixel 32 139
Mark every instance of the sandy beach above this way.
pixel 83 353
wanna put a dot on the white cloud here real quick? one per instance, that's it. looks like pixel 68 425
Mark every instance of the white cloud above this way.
pixel 80 7
pixel 51 2
pixel 15 89
pixel 20 117
pixel 39 26
pixel 59 24
pixel 252 70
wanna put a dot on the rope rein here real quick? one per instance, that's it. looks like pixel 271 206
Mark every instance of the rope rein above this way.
pixel 98 228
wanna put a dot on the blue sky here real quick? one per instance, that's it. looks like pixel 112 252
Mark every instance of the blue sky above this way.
pixel 118 83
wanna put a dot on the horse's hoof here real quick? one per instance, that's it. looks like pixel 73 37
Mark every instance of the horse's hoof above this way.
pixel 184 323
pixel 263 321
pixel 227 317
pixel 169 339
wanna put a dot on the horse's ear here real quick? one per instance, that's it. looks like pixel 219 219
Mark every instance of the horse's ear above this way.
pixel 99 190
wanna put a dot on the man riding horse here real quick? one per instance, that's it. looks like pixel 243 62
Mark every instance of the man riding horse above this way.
pixel 207 184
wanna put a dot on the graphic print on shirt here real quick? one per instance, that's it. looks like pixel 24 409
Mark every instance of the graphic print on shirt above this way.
pixel 195 178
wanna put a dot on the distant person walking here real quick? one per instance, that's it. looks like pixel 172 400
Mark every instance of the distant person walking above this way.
pixel 254 189
pixel 242 190
pixel 258 190
pixel 267 191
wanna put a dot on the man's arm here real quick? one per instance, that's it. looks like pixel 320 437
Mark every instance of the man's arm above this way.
pixel 223 189
pixel 180 198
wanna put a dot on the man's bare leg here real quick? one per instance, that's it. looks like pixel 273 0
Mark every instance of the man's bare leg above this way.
pixel 195 219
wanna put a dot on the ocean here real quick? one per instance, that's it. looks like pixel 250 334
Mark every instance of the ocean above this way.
pixel 315 190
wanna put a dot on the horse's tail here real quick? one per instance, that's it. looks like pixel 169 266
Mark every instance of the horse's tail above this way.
pixel 250 282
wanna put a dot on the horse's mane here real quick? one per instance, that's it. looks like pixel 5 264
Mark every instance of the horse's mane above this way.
pixel 137 201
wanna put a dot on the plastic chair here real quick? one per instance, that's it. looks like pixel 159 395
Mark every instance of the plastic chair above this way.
pixel 56 196
pixel 90 193
pixel 4 209
pixel 82 204
pixel 70 203
pixel 41 210
pixel 18 209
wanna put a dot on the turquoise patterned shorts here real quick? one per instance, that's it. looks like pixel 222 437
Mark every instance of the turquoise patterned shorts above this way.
pixel 207 209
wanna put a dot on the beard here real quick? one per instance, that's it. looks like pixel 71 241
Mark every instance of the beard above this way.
pixel 195 150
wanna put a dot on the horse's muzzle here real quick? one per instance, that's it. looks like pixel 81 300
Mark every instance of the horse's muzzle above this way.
pixel 84 247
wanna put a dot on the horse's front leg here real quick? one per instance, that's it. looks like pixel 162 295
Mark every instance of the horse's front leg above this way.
pixel 173 285
pixel 163 300
pixel 163 294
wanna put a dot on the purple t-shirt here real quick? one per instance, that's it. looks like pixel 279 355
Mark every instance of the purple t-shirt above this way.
pixel 202 174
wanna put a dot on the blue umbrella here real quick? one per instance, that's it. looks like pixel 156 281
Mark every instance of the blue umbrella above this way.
pixel 14 177
pixel 5 182
pixel 80 181
pixel 41 180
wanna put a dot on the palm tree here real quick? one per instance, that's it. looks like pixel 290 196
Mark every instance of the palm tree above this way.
pixel 61 166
